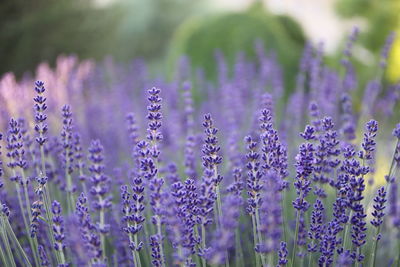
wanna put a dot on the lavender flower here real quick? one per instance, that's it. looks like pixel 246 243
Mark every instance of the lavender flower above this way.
pixel 315 116
pixel 36 213
pixel 304 169
pixel 155 136
pixel 88 231
pixel 100 188
pixel 237 185
pixel 224 236
pixel 129 220
pixel 40 117
pixel 181 219
pixel 396 133
pixel 270 214
pixel 58 226
pixel 316 227
pixel 79 160
pixel 386 49
pixel 326 155
pixel 369 140
pixel 348 122
pixel 67 154
pixel 43 256
pixel 274 153
pixel 379 207
pixel 16 152
pixel 254 175
pixel 345 259
pixel 156 251
pixel 282 253
pixel 329 243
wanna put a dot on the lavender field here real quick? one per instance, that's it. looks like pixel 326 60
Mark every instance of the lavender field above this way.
pixel 111 164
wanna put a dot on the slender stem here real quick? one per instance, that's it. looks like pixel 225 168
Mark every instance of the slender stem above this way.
pixel 3 256
pixel 137 255
pixel 238 249
pixel 12 234
pixel 253 219
pixel 203 242
pixel 102 236
pixel 374 248
pixel 263 259
pixel 346 231
pixel 295 239
pixel 358 263
pixel 34 246
pixel 159 233
pixel 7 242
pixel 284 215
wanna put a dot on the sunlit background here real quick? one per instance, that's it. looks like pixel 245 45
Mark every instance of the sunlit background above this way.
pixel 161 30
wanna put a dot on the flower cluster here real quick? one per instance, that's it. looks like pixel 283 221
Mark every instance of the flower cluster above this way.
pixel 99 188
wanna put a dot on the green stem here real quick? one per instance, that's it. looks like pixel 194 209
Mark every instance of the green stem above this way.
pixel 3 256
pixel 203 242
pixel 346 232
pixel 263 259
pixel 34 246
pixel 159 233
pixel 375 247
pixel 12 234
pixel 102 236
pixel 7 243
pixel 253 219
pixel 239 250
pixel 295 239
pixel 137 255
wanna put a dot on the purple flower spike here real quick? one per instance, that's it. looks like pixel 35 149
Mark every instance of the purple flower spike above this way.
pixel 40 117
pixel 396 131
pixel 88 231
pixel 369 140
pixel 154 116
pixel 100 183
pixel 254 175
pixel 155 251
pixel 43 256
pixel 386 49
pixel 58 226
pixel 379 207
pixel 16 151
pixel 36 213
pixel 316 227
pixel 304 169
pixel 282 253
pixel 79 158
pixel 329 243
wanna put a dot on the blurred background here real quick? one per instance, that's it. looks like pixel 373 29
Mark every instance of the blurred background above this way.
pixel 160 31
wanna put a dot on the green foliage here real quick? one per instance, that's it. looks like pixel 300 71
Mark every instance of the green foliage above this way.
pixel 146 26
pixel 231 33
pixel 32 33
pixel 383 16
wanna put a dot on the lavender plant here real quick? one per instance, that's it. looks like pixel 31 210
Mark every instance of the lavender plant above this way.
pixel 97 187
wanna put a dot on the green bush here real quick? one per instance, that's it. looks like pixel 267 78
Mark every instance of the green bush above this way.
pixel 231 33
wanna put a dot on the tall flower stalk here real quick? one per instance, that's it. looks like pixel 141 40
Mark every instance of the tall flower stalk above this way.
pixel 18 165
pixel 156 182
pixel 304 170
pixel 99 190
pixel 254 187
pixel 67 154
